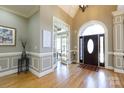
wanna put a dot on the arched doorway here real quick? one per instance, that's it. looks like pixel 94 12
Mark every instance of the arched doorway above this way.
pixel 92 28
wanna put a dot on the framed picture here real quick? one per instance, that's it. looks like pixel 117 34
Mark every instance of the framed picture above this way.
pixel 7 36
pixel 47 39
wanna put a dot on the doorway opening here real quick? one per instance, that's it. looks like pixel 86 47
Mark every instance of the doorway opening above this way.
pixel 92 45
pixel 61 46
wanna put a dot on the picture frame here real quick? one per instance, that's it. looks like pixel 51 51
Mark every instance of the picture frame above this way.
pixel 47 39
pixel 7 36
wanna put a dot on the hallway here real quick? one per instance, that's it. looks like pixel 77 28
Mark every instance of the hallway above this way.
pixel 66 77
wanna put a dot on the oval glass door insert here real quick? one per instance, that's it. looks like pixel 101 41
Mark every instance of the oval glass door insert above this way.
pixel 90 46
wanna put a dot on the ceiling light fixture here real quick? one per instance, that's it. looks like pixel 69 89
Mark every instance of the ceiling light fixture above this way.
pixel 83 7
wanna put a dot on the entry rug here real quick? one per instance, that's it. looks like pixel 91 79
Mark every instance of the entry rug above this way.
pixel 89 67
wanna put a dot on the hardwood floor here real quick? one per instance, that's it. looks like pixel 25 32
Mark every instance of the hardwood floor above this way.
pixel 66 77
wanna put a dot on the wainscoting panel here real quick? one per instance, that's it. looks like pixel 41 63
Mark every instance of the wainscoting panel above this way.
pixel 73 54
pixel 118 62
pixel 8 63
pixel 110 61
pixel 14 63
pixel 35 63
pixel 46 62
pixel 4 64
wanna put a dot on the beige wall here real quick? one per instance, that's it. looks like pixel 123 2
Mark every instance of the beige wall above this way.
pixel 101 13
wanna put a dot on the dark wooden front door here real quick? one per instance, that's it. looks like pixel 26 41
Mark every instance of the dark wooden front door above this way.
pixel 91 54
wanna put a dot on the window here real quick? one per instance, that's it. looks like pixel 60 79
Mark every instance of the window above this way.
pixel 90 46
pixel 101 49
pixel 93 30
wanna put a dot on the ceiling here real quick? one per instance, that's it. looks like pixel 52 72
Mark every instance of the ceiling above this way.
pixel 71 10
pixel 120 7
pixel 29 10
pixel 22 10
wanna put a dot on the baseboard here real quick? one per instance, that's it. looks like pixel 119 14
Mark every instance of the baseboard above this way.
pixel 119 70
pixel 46 72
pixel 34 72
pixel 8 72
pixel 40 74
pixel 54 66
pixel 109 67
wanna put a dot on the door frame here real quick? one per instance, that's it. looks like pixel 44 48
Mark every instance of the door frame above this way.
pixel 61 21
pixel 95 39
pixel 82 29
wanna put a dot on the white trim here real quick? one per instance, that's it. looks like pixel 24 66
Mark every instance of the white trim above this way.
pixel 40 54
pixel 12 66
pixel 45 72
pixel 47 54
pixel 40 74
pixel 42 62
pixel 106 37
pixel 34 54
pixel 54 66
pixel 69 40
pixel 119 70
pixel 43 69
pixel 30 13
pixel 118 54
pixel 34 62
pixel 120 61
pixel 109 67
pixel 116 13
pixel 10 54
pixel 34 72
pixel 8 72
pixel 73 50
pixel 7 63
pixel 111 53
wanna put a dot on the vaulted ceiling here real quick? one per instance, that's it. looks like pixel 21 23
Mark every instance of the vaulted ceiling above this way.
pixel 71 10
pixel 28 10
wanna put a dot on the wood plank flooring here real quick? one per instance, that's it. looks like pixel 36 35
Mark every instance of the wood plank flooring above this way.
pixel 66 77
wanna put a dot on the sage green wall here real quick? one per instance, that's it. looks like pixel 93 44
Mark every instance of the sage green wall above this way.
pixel 20 23
pixel 46 18
pixel 34 33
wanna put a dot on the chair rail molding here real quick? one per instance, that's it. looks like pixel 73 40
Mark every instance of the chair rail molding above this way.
pixel 10 54
pixel 40 54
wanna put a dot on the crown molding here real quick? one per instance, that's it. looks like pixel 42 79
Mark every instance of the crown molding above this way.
pixel 29 14
pixel 116 13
